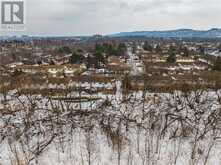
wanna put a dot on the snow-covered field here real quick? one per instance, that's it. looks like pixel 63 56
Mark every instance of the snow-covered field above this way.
pixel 139 128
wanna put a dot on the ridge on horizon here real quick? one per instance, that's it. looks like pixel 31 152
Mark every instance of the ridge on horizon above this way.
pixel 177 29
pixel 180 32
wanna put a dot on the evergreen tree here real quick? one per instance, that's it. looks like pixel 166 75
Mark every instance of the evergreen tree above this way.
pixel 121 49
pixel 64 49
pixel 171 58
pixel 158 49
pixel 76 58
pixel 147 46
pixel 186 52
pixel 201 50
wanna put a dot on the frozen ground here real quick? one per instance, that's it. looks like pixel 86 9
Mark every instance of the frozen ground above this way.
pixel 136 129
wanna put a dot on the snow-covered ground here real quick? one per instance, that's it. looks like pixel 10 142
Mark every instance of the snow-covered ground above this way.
pixel 140 128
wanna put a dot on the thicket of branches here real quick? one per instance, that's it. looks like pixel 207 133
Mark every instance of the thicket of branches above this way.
pixel 136 125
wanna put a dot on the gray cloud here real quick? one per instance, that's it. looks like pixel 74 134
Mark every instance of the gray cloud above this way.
pixel 83 17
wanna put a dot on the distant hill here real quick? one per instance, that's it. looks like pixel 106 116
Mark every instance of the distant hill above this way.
pixel 180 33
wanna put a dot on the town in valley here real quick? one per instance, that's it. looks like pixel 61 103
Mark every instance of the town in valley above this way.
pixel 110 100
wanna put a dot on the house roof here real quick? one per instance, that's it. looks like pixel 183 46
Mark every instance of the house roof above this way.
pixel 37 67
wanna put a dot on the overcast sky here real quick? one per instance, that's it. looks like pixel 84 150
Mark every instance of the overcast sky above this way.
pixel 86 17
